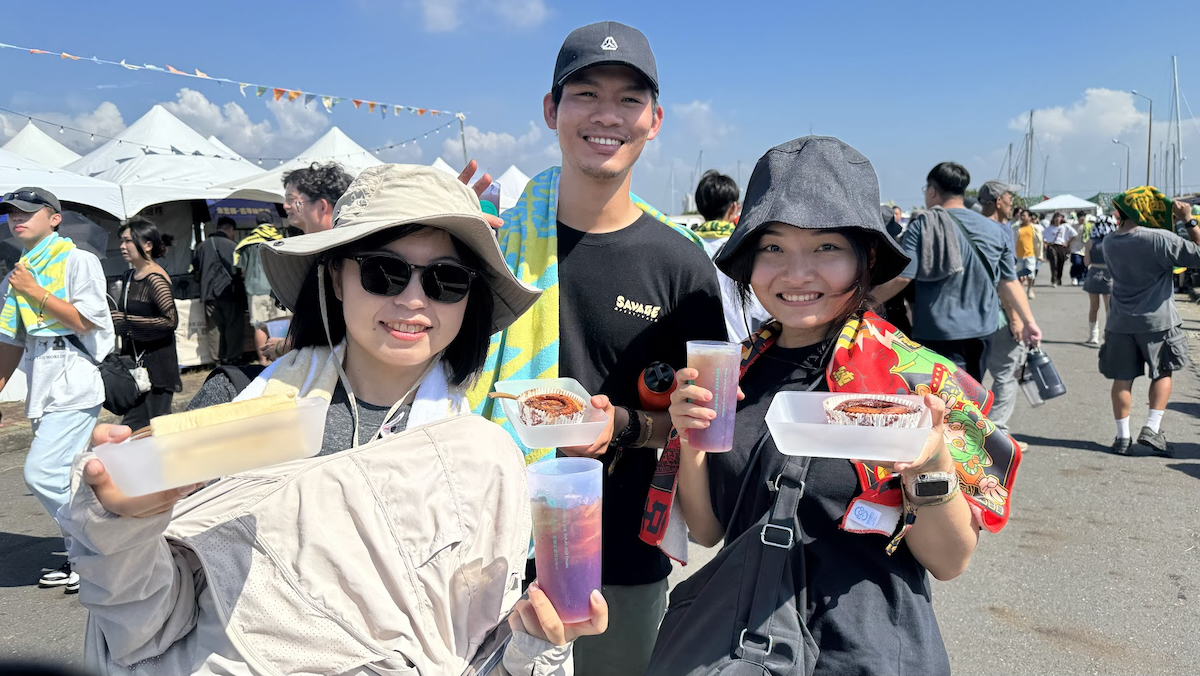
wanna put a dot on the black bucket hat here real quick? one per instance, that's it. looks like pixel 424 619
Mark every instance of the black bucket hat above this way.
pixel 815 182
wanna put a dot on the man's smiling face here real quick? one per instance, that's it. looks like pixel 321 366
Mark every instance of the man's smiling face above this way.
pixel 605 117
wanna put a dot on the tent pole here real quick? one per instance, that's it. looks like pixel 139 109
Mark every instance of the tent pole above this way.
pixel 462 134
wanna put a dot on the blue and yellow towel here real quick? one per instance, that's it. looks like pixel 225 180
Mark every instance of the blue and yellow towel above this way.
pixel 529 348
pixel 47 262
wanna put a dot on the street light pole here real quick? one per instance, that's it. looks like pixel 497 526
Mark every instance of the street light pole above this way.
pixel 1126 161
pixel 1149 132
pixel 1118 176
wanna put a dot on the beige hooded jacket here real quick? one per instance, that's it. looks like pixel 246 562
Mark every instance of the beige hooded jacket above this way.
pixel 397 557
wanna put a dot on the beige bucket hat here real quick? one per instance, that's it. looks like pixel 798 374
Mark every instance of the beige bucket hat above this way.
pixel 389 195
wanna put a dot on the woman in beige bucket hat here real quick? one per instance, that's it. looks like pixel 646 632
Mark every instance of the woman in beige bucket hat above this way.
pixel 400 549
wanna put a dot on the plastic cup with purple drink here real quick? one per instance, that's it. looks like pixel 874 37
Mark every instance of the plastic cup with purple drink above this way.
pixel 719 364
pixel 565 496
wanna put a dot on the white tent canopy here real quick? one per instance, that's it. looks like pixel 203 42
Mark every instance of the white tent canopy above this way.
pixel 1064 203
pixel 37 145
pixel 334 146
pixel 512 184
pixel 225 150
pixel 439 163
pixel 160 159
pixel 17 172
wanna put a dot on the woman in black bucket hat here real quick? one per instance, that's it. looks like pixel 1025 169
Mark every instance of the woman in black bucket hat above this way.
pixel 810 246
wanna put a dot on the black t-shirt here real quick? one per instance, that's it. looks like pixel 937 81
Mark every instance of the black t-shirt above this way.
pixel 869 613
pixel 627 299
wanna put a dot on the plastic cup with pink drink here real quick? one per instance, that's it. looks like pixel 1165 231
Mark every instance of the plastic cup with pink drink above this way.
pixel 719 364
pixel 566 499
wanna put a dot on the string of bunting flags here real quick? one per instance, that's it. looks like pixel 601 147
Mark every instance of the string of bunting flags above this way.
pixel 277 93
pixel 63 128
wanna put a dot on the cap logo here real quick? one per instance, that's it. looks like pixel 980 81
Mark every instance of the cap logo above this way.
pixel 609 44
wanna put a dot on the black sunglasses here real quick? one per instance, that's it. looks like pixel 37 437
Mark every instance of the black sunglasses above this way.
pixel 386 274
pixel 28 196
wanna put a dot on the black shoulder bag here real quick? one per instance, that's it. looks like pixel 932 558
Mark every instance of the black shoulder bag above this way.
pixel 740 614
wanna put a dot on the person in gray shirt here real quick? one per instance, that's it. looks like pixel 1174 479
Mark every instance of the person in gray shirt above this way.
pixel 1144 328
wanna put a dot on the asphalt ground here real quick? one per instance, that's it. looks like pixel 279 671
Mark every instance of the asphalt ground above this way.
pixel 1097 572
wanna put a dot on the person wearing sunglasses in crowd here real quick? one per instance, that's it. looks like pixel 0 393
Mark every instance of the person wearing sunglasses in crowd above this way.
pixel 398 549
pixel 810 245
pixel 55 316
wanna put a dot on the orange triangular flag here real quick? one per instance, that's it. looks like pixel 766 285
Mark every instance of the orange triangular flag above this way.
pixel 38 51
pixel 292 96
pixel 356 103
pixel 176 70
pixel 421 111
pixel 278 92
pixel 371 106
pixel 68 56
pixel 199 73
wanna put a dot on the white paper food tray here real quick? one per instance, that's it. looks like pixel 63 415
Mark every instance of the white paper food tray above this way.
pixel 552 436
pixel 799 427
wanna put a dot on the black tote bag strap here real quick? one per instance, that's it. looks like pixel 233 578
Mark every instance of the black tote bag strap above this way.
pixel 779 535
pixel 74 340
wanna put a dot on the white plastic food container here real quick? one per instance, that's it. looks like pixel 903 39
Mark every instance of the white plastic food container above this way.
pixel 799 427
pixel 552 436
pixel 154 464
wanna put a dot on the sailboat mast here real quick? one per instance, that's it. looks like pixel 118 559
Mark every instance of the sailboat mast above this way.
pixel 1179 156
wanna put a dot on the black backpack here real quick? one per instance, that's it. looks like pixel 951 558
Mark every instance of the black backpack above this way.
pixel 740 614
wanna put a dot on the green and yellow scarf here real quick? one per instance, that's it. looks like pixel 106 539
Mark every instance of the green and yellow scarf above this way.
pixel 47 262
pixel 715 229
pixel 1147 206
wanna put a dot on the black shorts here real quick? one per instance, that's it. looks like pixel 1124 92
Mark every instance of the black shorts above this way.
pixel 1125 356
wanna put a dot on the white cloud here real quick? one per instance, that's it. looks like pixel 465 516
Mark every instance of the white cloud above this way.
pixel 230 123
pixel 105 120
pixel 445 16
pixel 296 124
pixel 440 16
pixel 697 122
pixel 496 150
pixel 1078 140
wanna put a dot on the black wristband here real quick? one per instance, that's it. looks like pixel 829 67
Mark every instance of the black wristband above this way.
pixel 630 432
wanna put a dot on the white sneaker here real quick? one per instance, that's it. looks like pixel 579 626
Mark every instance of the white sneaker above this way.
pixel 1074 282
pixel 1032 294
pixel 57 578
pixel 72 585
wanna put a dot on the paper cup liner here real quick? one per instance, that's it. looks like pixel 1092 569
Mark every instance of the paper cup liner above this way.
pixel 532 415
pixel 837 417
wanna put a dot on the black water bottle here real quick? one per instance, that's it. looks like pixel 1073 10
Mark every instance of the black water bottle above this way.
pixel 1039 379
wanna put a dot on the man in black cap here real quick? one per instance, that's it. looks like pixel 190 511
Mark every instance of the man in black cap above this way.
pixel 56 317
pixel 631 291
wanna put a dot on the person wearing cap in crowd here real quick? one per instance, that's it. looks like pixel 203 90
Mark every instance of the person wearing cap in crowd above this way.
pixel 220 289
pixel 898 215
pixel 623 288
pixel 55 322
pixel 717 201
pixel 309 194
pixel 247 258
pixel 398 549
pixel 1006 352
pixel 1142 333
pixel 810 245
pixel 963 267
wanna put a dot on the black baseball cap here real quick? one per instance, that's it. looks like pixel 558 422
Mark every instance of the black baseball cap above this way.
pixel 602 44
pixel 29 200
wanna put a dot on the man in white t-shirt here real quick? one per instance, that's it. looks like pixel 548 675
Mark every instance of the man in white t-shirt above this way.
pixel 55 305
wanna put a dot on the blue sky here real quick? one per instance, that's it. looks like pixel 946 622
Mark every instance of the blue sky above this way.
pixel 908 84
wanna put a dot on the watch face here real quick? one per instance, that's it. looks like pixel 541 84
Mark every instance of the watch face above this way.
pixel 932 489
